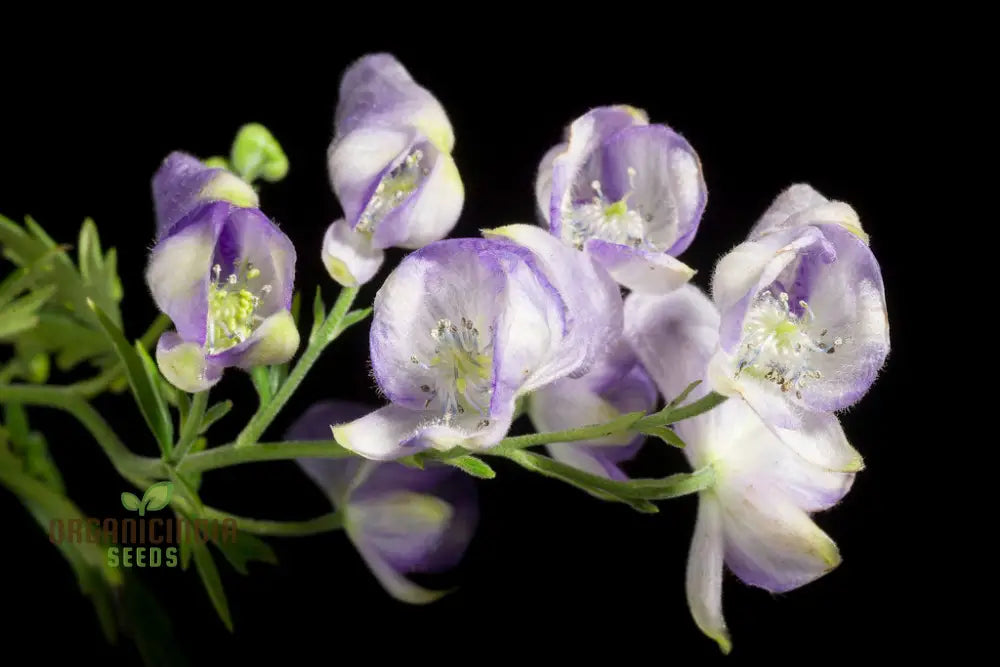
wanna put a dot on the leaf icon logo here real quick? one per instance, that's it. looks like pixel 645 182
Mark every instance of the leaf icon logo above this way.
pixel 156 498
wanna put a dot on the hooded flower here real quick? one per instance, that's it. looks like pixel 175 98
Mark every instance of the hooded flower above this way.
pixel 391 168
pixel 629 193
pixel 401 520
pixel 804 325
pixel 463 327
pixel 222 271
pixel 617 384
pixel 755 518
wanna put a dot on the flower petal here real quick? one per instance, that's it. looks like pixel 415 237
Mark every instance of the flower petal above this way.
pixel 704 572
pixel 802 205
pixel 638 269
pixel 348 255
pixel 430 212
pixel 770 542
pixel 358 161
pixel 673 335
pixel 180 266
pixel 184 182
pixel 543 181
pixel 184 365
pixel 593 303
pixel 384 434
pixel 660 174
pixel 378 90
pixel 574 169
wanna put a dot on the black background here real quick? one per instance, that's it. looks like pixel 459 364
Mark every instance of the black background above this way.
pixel 551 571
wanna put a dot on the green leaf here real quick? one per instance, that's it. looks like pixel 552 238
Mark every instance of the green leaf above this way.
pixel 319 314
pixel 67 339
pixel 665 434
pixel 209 574
pixel 214 414
pixel 246 549
pixel 140 379
pixel 472 466
pixel 354 317
pixel 130 501
pixel 695 408
pixel 296 308
pixel 21 314
pixel 148 625
pixel 156 497
pixel 683 395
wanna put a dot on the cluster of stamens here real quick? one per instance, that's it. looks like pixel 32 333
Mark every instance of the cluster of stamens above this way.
pixel 779 345
pixel 609 221
pixel 393 190
pixel 461 367
pixel 232 306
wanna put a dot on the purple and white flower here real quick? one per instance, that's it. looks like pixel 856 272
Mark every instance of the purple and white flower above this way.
pixel 617 384
pixel 755 518
pixel 391 168
pixel 223 273
pixel 629 193
pixel 401 520
pixel 463 327
pixel 804 325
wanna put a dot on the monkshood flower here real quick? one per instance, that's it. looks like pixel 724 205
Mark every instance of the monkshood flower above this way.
pixel 617 384
pixel 629 193
pixel 463 327
pixel 755 518
pixel 401 520
pixel 222 272
pixel 804 325
pixel 391 168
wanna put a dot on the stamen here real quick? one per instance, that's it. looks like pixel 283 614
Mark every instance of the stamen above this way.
pixel 394 188
pixel 779 345
pixel 460 368
pixel 613 221
pixel 232 306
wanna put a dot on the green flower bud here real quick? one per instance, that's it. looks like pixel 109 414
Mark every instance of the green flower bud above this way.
pixel 256 153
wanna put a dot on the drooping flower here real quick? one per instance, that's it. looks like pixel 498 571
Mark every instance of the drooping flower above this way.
pixel 617 384
pixel 463 327
pixel 629 193
pixel 391 168
pixel 804 325
pixel 755 518
pixel 223 273
pixel 401 520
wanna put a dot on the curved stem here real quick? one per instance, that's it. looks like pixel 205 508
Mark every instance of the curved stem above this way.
pixel 320 524
pixel 326 334
pixel 127 464
pixel 230 455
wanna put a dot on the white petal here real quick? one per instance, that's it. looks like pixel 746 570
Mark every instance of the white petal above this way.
pixel 704 572
pixel 358 158
pixel 770 542
pixel 639 270
pixel 385 434
pixel 348 255
pixel 801 205
pixel 436 207
pixel 543 182
pixel 396 584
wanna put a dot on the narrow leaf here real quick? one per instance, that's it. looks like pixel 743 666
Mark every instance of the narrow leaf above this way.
pixel 246 549
pixel 354 317
pixel 209 574
pixel 472 466
pixel 683 395
pixel 666 434
pixel 214 414
pixel 319 314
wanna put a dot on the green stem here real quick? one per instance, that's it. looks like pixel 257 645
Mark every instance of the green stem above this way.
pixel 127 464
pixel 192 424
pixel 230 455
pixel 324 336
pixel 590 432
pixel 321 524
